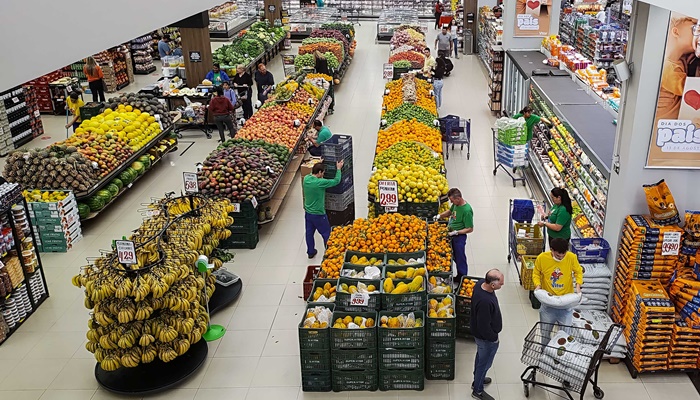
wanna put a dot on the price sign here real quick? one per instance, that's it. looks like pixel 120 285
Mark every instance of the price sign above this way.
pixel 671 244
pixel 388 193
pixel 359 299
pixel 254 202
pixel 190 179
pixel 126 251
pixel 383 29
pixel 237 207
pixel 388 71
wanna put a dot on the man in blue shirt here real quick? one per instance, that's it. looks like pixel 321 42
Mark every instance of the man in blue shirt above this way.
pixel 216 76
pixel 164 47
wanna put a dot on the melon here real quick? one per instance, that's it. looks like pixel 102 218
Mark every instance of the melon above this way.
pixel 118 182
pixel 138 167
pixel 96 203
pixel 145 160
pixel 113 189
pixel 104 194
pixel 83 210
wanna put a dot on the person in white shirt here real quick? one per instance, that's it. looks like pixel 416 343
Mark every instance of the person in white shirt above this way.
pixel 453 34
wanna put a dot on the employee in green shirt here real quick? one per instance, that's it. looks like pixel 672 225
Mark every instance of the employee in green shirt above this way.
pixel 314 187
pixel 530 120
pixel 323 134
pixel 559 222
pixel 461 223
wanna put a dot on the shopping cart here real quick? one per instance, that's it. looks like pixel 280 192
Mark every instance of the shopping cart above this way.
pixel 522 215
pixel 508 159
pixel 455 130
pixel 573 367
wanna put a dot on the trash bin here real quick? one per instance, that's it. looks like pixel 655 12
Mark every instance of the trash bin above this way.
pixel 468 45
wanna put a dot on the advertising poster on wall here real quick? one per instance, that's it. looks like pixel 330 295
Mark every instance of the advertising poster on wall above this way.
pixel 532 18
pixel 675 139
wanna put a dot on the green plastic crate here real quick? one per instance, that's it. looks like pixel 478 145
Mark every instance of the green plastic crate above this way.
pixel 316 381
pixel 353 360
pixel 357 268
pixel 240 241
pixel 390 359
pixel 401 380
pixel 440 349
pixel 401 338
pixel 355 380
pixel 440 328
pixel 463 306
pixel 314 339
pixel 405 302
pixel 464 329
pixel 244 225
pixel 246 210
pixel 440 277
pixel 353 339
pixel 321 283
pixel 342 300
pixel 315 361
pixel 407 256
pixel 440 369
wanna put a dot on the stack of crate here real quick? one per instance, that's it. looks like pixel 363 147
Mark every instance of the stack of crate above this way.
pixel 340 200
pixel 56 225
pixel 244 230
pixel 401 353
pixel 440 346
pixel 315 356
pixel 354 353
pixel 463 306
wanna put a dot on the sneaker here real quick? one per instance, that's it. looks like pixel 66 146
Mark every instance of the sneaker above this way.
pixel 312 255
pixel 482 396
pixel 487 381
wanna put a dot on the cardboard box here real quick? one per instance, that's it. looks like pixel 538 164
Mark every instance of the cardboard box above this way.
pixel 308 165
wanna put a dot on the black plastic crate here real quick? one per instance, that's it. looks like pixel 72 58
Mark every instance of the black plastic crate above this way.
pixel 401 359
pixel 315 361
pixel 241 241
pixel 354 339
pixel 346 183
pixel 401 380
pixel 338 147
pixel 331 167
pixel 464 329
pixel 406 256
pixel 440 328
pixel 405 302
pixel 314 339
pixel 355 380
pixel 423 210
pixel 442 279
pixel 401 338
pixel 354 360
pixel 341 218
pixel 440 349
pixel 440 369
pixel 244 225
pixel 316 381
pixel 339 202
pixel 90 110
pixel 321 283
pixel 245 210
pixel 343 300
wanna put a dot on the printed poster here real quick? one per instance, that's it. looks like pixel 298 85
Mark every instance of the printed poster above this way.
pixel 675 139
pixel 532 18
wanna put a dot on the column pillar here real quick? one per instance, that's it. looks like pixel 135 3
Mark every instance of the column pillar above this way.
pixel 196 47
pixel 273 10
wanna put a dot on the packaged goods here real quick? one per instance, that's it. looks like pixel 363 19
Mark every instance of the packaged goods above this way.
pixel 661 204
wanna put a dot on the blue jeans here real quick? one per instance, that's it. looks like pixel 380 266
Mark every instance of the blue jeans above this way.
pixel 459 253
pixel 551 316
pixel 455 42
pixel 485 353
pixel 437 88
pixel 316 223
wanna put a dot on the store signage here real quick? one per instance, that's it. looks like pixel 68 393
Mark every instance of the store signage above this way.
pixel 388 193
pixel 359 299
pixel 675 139
pixel 236 207
pixel 671 244
pixel 195 56
pixel 190 181
pixel 383 29
pixel 388 71
pixel 126 252
pixel 532 18
pixel 254 202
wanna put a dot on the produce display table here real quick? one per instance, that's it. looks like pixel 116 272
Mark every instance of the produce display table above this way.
pixel 264 57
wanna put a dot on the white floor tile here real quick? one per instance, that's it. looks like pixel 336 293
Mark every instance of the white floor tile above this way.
pixel 67 395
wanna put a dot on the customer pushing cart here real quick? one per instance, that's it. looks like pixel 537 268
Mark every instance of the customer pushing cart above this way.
pixel 572 358
pixel 455 130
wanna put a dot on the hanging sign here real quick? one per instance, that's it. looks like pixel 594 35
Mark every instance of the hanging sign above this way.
pixel 388 193
pixel 388 71
pixel 126 251
pixel 190 181
pixel 671 244
pixel 532 18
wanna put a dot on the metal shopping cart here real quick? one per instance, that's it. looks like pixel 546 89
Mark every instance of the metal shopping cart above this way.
pixel 574 366
pixel 522 215
pixel 455 130
pixel 508 158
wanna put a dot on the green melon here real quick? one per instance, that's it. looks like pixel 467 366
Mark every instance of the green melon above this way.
pixel 83 210
pixel 145 160
pixel 113 189
pixel 138 167
pixel 118 182
pixel 104 194
pixel 96 203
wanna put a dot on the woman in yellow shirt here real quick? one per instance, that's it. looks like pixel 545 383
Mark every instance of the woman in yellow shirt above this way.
pixel 73 104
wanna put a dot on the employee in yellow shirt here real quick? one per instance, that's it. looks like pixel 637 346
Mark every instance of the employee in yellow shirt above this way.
pixel 558 272
pixel 73 104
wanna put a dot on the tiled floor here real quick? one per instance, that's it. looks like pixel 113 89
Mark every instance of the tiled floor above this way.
pixel 258 357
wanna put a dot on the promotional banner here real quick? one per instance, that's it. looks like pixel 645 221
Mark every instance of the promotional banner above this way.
pixel 675 140
pixel 532 18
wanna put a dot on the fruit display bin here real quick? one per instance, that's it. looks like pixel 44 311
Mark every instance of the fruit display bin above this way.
pixel 343 300
pixel 533 243
pixel 463 306
pixel 348 268
pixel 354 360
pixel 405 302
pixel 401 338
pixel 464 329
pixel 407 256
pixel 441 328
pixel 353 339
pixel 354 380
pixel 401 380
pixel 320 283
pixel 314 339
pixel 440 370
pixel 392 359
pixel 444 278
pixel 440 349
pixel 315 360
pixel 311 273
pixel 316 381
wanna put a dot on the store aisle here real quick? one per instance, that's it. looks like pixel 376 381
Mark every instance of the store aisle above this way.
pixel 258 358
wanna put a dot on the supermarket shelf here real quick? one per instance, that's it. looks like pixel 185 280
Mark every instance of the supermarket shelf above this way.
pixel 224 36
pixel 150 70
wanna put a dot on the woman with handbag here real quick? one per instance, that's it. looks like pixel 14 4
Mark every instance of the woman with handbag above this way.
pixel 243 83
pixel 94 75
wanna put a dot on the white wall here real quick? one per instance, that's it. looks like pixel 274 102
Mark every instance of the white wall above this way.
pixel 40 36
pixel 626 195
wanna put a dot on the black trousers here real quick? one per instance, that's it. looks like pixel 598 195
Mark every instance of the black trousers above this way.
pixel 437 20
pixel 248 104
pixel 97 88
pixel 227 121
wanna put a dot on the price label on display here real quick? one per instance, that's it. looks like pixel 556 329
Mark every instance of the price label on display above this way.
pixel 671 244
pixel 359 299
pixel 388 71
pixel 254 202
pixel 237 207
pixel 383 29
pixel 126 251
pixel 190 179
pixel 388 193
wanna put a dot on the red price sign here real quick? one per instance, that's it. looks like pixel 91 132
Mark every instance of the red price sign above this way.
pixel 671 244
pixel 190 179
pixel 126 251
pixel 388 193
pixel 359 299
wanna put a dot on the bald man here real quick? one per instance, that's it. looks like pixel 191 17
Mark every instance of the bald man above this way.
pixel 486 324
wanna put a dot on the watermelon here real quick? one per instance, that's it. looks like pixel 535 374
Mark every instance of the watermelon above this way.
pixel 145 160
pixel 83 210
pixel 113 189
pixel 104 194
pixel 138 167
pixel 96 203
pixel 125 177
pixel 118 182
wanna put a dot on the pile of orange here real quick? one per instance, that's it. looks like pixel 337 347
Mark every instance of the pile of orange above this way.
pixel 388 233
pixel 439 257
pixel 409 130
pixel 393 99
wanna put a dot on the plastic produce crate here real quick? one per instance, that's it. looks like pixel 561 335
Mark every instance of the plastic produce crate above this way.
pixel 90 110
pixel 316 381
pixel 390 359
pixel 440 328
pixel 406 256
pixel 315 361
pixel 311 273
pixel 339 202
pixel 342 300
pixel 464 329
pixel 353 339
pixel 526 273
pixel 442 279
pixel 402 338
pixel 244 225
pixel 464 304
pixel 585 256
pixel 532 245
pixel 314 339
pixel 246 210
pixel 405 302
pixel 241 241
pixel 338 147
pixel 342 218
pixel 440 349
pixel 320 283
pixel 355 380
pixel 331 167
pixel 401 380
pixel 353 360
pixel 440 369
pixel 346 183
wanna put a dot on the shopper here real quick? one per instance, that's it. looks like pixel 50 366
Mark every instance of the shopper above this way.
pixel 443 42
pixel 230 94
pixel 222 109
pixel 530 120
pixel 460 224
pixel 438 13
pixel 559 222
pixel 94 75
pixel 429 64
pixel 73 104
pixel 314 187
pixel 486 324
pixel 216 76
pixel 323 135
pixel 243 83
pixel 455 37
pixel 438 75
pixel 557 271
pixel 164 47
pixel 264 81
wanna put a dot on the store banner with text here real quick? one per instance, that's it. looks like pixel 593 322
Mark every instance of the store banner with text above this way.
pixel 675 139
pixel 532 18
